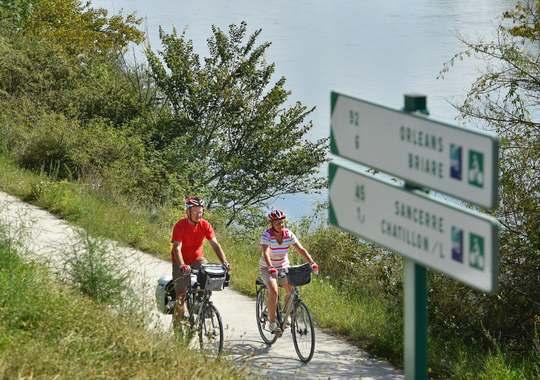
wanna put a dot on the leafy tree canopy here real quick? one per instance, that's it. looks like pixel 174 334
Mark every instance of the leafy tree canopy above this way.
pixel 506 99
pixel 229 128
pixel 71 25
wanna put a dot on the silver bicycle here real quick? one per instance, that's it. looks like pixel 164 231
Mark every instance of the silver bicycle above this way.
pixel 303 333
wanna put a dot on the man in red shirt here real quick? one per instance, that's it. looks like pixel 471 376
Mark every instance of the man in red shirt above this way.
pixel 187 239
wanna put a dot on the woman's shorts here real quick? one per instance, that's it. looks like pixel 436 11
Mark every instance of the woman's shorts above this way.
pixel 183 280
pixel 265 276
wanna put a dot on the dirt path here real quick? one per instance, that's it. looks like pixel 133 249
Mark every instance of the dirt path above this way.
pixel 48 238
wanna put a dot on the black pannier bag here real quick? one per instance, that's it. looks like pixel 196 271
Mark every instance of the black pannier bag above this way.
pixel 299 274
pixel 212 277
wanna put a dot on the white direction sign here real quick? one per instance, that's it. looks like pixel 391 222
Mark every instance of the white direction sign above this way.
pixel 446 158
pixel 453 240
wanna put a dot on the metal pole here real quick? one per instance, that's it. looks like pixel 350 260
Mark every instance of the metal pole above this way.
pixel 415 290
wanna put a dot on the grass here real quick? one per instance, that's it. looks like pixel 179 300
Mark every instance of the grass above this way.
pixel 50 331
pixel 364 319
pixel 80 205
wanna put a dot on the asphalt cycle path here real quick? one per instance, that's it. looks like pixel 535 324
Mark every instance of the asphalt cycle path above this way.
pixel 50 240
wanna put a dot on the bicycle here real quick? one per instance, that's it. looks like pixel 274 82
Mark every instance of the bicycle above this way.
pixel 204 318
pixel 303 333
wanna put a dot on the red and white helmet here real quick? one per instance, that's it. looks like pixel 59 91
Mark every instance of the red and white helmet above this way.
pixel 194 201
pixel 276 215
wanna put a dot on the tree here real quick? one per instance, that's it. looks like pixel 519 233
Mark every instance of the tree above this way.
pixel 69 105
pixel 80 29
pixel 228 130
pixel 506 99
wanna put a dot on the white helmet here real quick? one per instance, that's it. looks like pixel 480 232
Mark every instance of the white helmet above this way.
pixel 165 296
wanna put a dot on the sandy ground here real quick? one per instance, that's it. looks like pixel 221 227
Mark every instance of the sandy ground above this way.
pixel 49 239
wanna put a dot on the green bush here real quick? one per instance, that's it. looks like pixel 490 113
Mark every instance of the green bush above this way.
pixel 354 264
pixel 95 269
pixel 49 331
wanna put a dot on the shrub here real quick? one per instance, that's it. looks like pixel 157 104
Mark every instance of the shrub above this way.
pixel 96 270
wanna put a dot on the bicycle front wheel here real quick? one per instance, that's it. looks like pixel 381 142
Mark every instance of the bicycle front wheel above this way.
pixel 261 311
pixel 303 333
pixel 210 330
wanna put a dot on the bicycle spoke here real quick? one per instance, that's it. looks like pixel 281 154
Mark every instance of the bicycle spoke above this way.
pixel 262 317
pixel 303 333
pixel 211 330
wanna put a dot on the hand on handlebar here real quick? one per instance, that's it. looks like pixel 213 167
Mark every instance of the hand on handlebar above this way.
pixel 272 271
pixel 184 268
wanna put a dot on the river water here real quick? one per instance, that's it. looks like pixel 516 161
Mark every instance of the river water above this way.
pixel 377 51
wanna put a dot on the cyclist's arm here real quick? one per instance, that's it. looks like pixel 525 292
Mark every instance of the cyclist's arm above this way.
pixel 265 249
pixel 301 250
pixel 176 251
pixel 218 250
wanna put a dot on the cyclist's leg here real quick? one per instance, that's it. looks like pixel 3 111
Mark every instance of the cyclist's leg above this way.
pixel 272 289
pixel 181 282
pixel 288 289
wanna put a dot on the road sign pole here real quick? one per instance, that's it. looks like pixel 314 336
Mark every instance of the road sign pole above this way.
pixel 415 291
pixel 428 231
pixel 415 320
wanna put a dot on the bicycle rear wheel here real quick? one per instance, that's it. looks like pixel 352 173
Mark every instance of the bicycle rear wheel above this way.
pixel 261 311
pixel 210 330
pixel 303 333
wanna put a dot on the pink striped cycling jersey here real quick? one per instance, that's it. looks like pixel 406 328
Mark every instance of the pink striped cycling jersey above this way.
pixel 278 251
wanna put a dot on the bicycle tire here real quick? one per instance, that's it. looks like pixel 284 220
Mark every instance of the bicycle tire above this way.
pixel 303 333
pixel 210 330
pixel 261 313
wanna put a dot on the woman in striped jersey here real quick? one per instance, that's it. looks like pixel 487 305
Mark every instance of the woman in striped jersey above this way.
pixel 275 243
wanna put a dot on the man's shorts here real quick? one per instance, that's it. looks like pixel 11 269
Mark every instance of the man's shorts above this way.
pixel 183 280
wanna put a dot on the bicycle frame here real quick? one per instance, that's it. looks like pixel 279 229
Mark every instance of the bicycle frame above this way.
pixel 196 299
pixel 204 319
pixel 283 313
pixel 301 323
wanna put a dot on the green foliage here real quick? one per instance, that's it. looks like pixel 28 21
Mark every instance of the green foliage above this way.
pixel 505 99
pixel 80 29
pixel 14 14
pixel 342 303
pixel 353 264
pixel 229 130
pixel 49 331
pixel 73 109
pixel 78 111
pixel 70 108
pixel 95 269
pixel 48 142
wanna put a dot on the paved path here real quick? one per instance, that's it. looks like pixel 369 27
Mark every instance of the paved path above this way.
pixel 48 238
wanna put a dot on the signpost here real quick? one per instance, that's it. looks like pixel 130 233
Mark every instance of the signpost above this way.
pixel 427 231
pixel 446 158
pixel 441 236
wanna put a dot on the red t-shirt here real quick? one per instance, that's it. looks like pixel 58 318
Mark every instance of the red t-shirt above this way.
pixel 192 238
